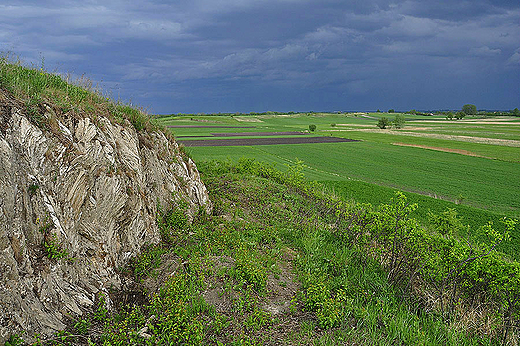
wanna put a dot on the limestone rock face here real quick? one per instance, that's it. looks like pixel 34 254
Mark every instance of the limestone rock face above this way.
pixel 93 187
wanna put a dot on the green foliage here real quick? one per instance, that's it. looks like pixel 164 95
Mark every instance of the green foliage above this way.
pixel 173 316
pixel 399 121
pixel 14 340
pixel 177 320
pixel 257 320
pixel 515 112
pixel 173 222
pixel 460 115
pixel 391 110
pixel 149 259
pixel 82 326
pixel 469 109
pixel 383 123
pixel 447 223
pixel 312 127
pixel 249 271
pixel 53 248
pixel 101 312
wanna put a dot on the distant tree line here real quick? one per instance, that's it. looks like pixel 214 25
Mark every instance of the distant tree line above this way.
pixel 467 109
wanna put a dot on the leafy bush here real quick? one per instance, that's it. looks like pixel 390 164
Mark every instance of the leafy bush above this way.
pixel 312 128
pixel 383 123
pixel 399 121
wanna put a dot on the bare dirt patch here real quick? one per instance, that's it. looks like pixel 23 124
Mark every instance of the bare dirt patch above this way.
pixel 448 150
pixel 355 125
pixel 248 120
pixel 239 134
pixel 262 141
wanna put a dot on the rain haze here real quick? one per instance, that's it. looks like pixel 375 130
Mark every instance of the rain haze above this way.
pixel 280 55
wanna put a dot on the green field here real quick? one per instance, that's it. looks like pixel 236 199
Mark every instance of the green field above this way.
pixel 480 179
pixel 480 182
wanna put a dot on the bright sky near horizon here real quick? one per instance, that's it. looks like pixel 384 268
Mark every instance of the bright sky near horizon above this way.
pixel 257 55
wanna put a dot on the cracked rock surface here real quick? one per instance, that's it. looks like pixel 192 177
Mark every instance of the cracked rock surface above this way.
pixel 94 186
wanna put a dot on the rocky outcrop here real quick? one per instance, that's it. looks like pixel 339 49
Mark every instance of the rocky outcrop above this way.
pixel 86 185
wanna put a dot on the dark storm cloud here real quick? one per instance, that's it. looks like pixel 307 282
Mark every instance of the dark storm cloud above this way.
pixel 244 55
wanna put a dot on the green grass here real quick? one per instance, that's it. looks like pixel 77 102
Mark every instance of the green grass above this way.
pixel 503 153
pixel 271 241
pixel 363 192
pixel 478 182
pixel 34 87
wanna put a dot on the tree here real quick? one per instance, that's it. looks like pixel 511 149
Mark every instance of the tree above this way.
pixel 515 112
pixel 399 121
pixel 312 128
pixel 460 115
pixel 383 123
pixel 469 109
pixel 449 116
pixel 391 110
pixel 413 111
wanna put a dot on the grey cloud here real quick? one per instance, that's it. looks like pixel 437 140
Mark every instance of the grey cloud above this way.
pixel 219 49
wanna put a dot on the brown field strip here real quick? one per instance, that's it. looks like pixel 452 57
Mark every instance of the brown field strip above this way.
pixel 262 141
pixel 447 150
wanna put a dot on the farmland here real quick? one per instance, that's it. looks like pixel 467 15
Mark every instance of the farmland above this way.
pixel 471 165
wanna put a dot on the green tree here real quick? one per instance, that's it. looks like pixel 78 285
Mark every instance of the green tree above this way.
pixel 460 115
pixel 383 123
pixel 399 121
pixel 391 110
pixel 515 112
pixel 449 116
pixel 312 127
pixel 413 111
pixel 469 109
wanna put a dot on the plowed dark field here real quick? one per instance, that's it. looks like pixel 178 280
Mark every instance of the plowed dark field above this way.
pixel 262 141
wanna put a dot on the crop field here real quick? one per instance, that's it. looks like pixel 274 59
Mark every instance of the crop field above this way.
pixel 471 165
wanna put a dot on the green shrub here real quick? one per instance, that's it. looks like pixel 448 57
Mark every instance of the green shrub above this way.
pixel 383 123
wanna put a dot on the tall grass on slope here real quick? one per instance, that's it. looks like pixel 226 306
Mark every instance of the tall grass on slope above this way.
pixel 36 88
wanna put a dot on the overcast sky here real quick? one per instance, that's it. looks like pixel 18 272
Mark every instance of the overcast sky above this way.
pixel 282 55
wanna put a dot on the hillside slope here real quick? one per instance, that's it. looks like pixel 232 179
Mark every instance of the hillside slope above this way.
pixel 79 195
